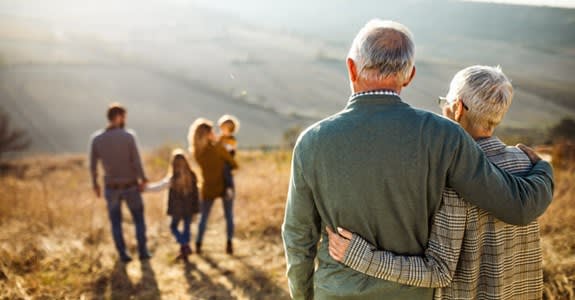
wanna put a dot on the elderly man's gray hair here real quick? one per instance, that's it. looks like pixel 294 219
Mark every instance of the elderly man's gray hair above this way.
pixel 486 91
pixel 382 49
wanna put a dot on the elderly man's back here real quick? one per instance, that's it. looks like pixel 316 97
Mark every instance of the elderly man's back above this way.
pixel 376 168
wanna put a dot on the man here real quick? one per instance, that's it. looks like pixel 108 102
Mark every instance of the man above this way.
pixel 471 254
pixel 379 168
pixel 124 178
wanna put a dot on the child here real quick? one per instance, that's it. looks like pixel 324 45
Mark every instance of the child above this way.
pixel 229 126
pixel 212 158
pixel 183 199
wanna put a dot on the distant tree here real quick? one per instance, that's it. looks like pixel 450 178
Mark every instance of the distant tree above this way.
pixel 563 131
pixel 11 139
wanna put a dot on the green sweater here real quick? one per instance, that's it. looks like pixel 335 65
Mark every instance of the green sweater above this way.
pixel 378 168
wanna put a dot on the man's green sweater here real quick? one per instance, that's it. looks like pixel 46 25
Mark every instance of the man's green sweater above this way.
pixel 378 168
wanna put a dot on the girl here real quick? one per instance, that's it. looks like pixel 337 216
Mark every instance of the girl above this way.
pixel 183 199
pixel 211 157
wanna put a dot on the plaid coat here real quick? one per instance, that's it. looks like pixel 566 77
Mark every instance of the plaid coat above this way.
pixel 471 254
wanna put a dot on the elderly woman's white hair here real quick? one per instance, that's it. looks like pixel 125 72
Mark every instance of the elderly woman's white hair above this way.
pixel 486 92
pixel 382 49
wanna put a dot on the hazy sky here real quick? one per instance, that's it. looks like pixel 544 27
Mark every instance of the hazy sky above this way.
pixel 555 3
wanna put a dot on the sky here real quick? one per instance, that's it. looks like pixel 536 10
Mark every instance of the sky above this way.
pixel 553 3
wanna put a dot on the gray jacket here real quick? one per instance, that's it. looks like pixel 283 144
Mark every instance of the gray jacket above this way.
pixel 118 151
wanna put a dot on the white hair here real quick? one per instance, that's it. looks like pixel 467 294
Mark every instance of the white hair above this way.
pixel 487 93
pixel 382 49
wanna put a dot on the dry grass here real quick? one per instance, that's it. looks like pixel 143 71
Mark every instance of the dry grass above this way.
pixel 55 241
pixel 55 244
pixel 557 231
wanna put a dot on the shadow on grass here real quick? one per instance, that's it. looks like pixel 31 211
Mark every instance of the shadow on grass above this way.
pixel 200 284
pixel 255 283
pixel 148 286
pixel 117 284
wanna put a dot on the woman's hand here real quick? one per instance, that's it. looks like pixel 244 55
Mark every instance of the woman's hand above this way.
pixel 338 243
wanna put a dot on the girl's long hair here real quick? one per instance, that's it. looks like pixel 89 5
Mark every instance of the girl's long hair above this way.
pixel 198 136
pixel 182 178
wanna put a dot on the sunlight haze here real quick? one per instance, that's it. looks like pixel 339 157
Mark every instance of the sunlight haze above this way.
pixel 551 3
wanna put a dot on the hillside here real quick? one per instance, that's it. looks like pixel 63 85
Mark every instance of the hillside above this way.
pixel 274 66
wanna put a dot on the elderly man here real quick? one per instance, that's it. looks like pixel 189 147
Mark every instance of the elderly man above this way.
pixel 379 168
pixel 471 254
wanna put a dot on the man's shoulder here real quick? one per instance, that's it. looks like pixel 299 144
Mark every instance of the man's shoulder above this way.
pixel 124 132
pixel 114 133
pixel 435 121
pixel 97 134
pixel 434 125
pixel 312 132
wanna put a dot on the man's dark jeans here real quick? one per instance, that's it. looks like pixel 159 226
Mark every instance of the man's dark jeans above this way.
pixel 133 198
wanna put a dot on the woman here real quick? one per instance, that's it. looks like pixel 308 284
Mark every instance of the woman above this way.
pixel 183 199
pixel 212 158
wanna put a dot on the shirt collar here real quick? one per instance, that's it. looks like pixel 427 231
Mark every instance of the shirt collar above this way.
pixel 374 93
pixel 491 145
pixel 374 97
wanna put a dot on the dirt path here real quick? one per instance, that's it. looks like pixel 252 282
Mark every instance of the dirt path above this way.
pixel 249 274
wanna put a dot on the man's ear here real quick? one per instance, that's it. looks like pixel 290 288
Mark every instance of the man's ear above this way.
pixel 411 76
pixel 351 69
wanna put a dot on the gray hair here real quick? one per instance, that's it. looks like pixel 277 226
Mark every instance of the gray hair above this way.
pixel 382 49
pixel 486 91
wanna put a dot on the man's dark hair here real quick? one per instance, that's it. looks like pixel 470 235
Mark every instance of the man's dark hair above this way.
pixel 115 109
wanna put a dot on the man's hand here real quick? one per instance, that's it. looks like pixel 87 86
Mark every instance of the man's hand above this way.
pixel 530 152
pixel 338 243
pixel 143 185
pixel 97 191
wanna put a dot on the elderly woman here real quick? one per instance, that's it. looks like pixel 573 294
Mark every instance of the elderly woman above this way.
pixel 471 254
pixel 212 157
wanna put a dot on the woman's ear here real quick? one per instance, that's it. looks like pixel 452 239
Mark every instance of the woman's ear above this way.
pixel 458 110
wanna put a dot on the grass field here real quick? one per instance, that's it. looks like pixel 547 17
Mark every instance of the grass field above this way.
pixel 55 242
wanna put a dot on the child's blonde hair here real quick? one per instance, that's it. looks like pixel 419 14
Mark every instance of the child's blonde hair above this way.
pixel 231 121
pixel 198 135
